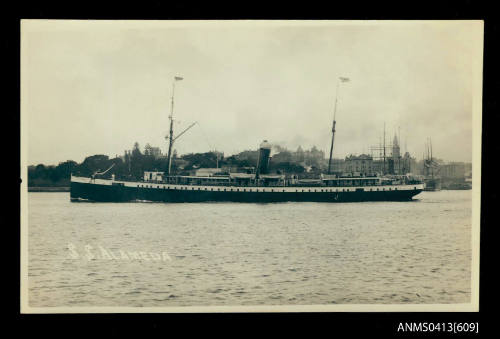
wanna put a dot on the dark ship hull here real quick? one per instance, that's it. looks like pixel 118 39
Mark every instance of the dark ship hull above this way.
pixel 85 189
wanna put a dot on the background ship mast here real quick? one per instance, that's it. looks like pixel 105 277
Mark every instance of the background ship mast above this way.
pixel 383 171
pixel 432 160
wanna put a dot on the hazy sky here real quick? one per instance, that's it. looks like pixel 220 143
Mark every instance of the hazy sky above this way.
pixel 97 87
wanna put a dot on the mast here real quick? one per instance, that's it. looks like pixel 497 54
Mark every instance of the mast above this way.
pixel 333 128
pixel 430 145
pixel 423 163
pixel 432 161
pixel 384 150
pixel 171 134
pixel 427 149
pixel 399 145
pixel 341 79
pixel 380 147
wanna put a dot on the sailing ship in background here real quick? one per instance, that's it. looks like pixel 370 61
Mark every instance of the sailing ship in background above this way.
pixel 260 186
pixel 432 179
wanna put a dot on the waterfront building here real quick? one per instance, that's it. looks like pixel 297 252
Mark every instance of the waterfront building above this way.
pixel 455 170
pixel 362 164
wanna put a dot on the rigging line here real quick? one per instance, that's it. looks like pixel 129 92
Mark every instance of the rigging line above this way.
pixel 102 173
pixel 206 138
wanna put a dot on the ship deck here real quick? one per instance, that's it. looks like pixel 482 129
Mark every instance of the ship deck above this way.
pixel 238 188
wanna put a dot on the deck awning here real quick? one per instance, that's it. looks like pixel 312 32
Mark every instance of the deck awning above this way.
pixel 204 178
pixel 242 175
pixel 272 177
pixel 350 178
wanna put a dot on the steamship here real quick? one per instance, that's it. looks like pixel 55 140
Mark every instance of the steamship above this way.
pixel 260 186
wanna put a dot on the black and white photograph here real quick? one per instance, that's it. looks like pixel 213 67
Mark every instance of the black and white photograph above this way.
pixel 250 165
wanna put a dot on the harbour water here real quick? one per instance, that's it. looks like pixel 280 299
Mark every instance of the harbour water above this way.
pixel 154 254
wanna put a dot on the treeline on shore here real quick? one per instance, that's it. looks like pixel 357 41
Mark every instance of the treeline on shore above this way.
pixel 133 163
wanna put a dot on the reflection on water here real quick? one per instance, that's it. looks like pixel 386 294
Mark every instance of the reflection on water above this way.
pixel 153 254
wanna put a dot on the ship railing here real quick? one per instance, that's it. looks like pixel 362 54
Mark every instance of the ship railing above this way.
pixel 345 182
